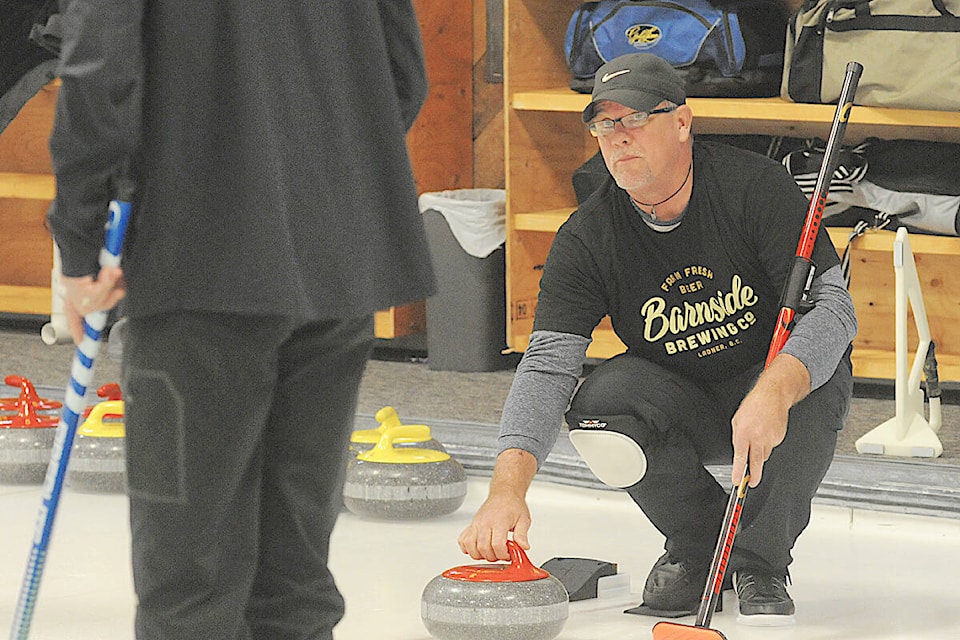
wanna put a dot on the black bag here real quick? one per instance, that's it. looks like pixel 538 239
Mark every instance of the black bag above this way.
pixel 25 65
pixel 589 177
pixel 909 49
pixel 911 183
pixel 721 47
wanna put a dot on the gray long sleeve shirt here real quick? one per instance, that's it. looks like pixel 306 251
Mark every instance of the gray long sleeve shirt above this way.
pixel 550 368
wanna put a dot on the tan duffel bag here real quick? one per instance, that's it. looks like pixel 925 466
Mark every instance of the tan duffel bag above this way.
pixel 909 49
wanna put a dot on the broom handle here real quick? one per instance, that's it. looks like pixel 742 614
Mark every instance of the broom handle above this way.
pixel 801 275
pixel 718 568
pixel 81 375
pixel 798 282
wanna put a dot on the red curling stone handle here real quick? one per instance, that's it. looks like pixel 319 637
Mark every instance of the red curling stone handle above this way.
pixel 520 569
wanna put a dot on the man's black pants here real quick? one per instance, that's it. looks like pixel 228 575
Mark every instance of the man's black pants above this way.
pixel 688 425
pixel 237 428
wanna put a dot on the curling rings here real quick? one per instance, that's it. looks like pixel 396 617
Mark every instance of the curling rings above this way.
pixel 27 434
pixel 98 460
pixel 403 483
pixel 515 601
pixel 420 437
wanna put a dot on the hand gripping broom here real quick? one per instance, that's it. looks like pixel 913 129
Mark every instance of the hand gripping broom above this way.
pixel 798 282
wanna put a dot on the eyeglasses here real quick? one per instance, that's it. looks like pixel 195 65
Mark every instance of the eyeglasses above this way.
pixel 635 120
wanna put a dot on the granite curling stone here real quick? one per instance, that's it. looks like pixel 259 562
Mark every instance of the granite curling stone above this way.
pixel 98 460
pixel 403 483
pixel 366 439
pixel 515 601
pixel 26 435
pixel 417 436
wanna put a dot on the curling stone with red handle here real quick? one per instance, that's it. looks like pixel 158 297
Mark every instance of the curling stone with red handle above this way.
pixel 109 391
pixel 515 601
pixel 28 395
pixel 420 438
pixel 403 483
pixel 98 460
pixel 26 436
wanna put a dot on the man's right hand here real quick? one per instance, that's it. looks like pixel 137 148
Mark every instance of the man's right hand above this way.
pixel 504 511
pixel 486 536
pixel 84 295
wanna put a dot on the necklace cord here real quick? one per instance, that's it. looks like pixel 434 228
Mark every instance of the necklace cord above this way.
pixel 654 205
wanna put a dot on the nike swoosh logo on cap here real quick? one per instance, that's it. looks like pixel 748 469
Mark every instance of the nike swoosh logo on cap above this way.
pixel 611 76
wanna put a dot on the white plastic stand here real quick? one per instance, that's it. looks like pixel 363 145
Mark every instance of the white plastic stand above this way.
pixel 56 331
pixel 908 434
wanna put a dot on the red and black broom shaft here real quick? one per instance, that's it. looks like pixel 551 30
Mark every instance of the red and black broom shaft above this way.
pixel 721 555
pixel 802 273
pixel 798 283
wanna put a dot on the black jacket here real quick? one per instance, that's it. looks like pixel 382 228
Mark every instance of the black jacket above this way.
pixel 265 145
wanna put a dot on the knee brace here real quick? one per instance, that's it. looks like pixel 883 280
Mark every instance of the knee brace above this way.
pixel 611 447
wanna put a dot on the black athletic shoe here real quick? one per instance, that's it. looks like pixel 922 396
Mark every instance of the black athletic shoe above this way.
pixel 764 601
pixel 675 585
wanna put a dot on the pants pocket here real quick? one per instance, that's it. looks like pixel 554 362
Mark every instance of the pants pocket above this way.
pixel 155 436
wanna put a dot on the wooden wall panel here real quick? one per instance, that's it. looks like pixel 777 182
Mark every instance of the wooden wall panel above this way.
pixel 440 140
pixel 23 143
pixel 25 246
pixel 488 124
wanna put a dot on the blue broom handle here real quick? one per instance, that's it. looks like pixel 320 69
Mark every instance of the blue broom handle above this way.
pixel 81 375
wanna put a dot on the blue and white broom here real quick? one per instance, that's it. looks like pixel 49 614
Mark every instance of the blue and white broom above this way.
pixel 81 375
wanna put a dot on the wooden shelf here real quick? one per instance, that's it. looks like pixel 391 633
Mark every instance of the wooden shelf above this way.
pixel 400 321
pixel 873 287
pixel 882 240
pixel 605 343
pixel 25 300
pixel 872 240
pixel 875 363
pixel 547 221
pixel 775 116
pixel 27 186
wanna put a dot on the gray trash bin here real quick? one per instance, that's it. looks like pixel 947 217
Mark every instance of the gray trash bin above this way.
pixel 466 319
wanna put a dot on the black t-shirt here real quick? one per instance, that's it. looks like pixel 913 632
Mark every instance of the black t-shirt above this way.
pixel 701 299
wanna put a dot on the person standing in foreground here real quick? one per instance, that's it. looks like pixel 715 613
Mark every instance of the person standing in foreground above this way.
pixel 686 247
pixel 274 212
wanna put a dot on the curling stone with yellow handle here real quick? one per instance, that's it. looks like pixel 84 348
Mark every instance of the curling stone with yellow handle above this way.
pixel 420 437
pixel 98 460
pixel 109 391
pixel 26 434
pixel 497 601
pixel 403 483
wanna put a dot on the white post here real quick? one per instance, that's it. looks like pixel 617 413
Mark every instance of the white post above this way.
pixel 56 331
pixel 908 433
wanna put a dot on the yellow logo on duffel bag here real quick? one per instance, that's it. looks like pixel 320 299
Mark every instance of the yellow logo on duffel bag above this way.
pixel 643 36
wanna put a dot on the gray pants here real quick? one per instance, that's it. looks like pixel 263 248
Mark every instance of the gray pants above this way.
pixel 686 424
pixel 237 429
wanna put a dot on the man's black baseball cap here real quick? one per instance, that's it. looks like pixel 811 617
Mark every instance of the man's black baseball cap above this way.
pixel 640 81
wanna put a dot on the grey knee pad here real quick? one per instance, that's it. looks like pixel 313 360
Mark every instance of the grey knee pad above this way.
pixel 611 447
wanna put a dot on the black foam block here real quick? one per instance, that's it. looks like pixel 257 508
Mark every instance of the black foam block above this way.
pixel 579 575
